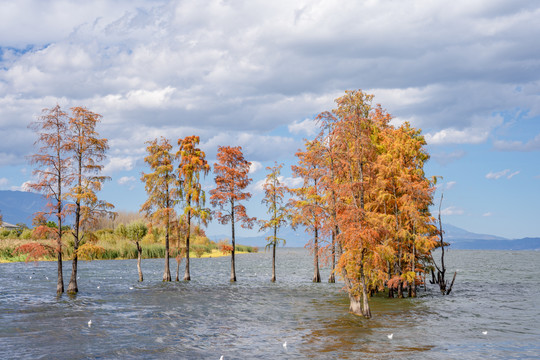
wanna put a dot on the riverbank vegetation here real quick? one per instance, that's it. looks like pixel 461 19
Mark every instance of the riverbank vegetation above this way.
pixel 105 244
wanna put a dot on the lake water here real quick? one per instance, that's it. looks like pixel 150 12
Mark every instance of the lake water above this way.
pixel 495 291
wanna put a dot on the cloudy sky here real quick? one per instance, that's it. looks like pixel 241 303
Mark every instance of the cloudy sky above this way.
pixel 255 73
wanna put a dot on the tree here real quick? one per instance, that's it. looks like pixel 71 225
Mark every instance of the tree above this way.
pixel 274 193
pixel 161 185
pixel 1 218
pixel 135 232
pixel 231 179
pixel 52 171
pixel 88 151
pixel 192 164
pixel 308 206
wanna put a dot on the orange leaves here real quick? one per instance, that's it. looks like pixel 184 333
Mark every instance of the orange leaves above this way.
pixel 34 251
pixel 231 170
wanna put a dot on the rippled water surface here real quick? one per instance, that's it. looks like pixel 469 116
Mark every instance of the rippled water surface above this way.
pixel 495 291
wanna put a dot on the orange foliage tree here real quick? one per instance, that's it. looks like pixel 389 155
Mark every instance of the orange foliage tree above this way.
pixel 52 172
pixel 88 151
pixel 192 164
pixel 307 205
pixel 378 195
pixel 274 199
pixel 161 186
pixel 231 170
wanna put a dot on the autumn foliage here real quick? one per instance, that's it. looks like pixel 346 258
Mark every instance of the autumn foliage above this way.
pixel 34 251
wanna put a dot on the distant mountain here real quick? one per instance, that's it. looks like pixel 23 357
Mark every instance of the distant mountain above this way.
pixel 454 234
pixel 20 206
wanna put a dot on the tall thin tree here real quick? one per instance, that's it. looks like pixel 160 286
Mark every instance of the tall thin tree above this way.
pixel 192 164
pixel 88 151
pixel 52 171
pixel 231 179
pixel 161 186
pixel 274 199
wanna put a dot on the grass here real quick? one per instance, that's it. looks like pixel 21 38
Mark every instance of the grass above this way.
pixel 109 246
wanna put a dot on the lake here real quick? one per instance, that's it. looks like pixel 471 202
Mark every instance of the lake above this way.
pixel 495 291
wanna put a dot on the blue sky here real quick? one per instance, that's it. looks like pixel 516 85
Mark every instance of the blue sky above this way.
pixel 255 73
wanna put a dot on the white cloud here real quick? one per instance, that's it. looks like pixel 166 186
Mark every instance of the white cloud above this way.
pixel 119 164
pixel 512 174
pixel 499 174
pixel 452 210
pixel 254 167
pixel 488 214
pixel 23 187
pixel 449 185
pixel 307 126
pixel 3 182
pixel 531 145
pixel 126 180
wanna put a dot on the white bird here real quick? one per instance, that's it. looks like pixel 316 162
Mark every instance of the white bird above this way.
pixel 30 278
pixel 98 287
pixel 90 323
pixel 131 288
pixel 484 332
pixel 390 336
pixel 221 358
pixel 285 345
pixel 46 277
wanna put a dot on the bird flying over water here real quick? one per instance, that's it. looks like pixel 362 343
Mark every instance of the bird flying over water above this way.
pixel 90 323
pixel 390 336
pixel 484 332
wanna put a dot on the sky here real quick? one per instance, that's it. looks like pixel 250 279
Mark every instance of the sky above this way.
pixel 256 73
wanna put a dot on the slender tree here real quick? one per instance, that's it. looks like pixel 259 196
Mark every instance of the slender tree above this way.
pixel 161 186
pixel 88 151
pixel 274 199
pixel 52 171
pixel 307 205
pixel 135 231
pixel 192 164
pixel 231 170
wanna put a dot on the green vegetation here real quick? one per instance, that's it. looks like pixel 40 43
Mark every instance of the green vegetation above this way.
pixel 105 244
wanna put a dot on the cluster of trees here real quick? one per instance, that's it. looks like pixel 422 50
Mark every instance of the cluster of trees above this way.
pixel 364 194
pixel 364 189
pixel 68 172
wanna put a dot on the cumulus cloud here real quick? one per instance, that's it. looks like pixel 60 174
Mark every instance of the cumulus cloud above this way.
pixel 250 67
pixel 117 163
pixel 487 214
pixel 23 187
pixel 254 167
pixel 307 127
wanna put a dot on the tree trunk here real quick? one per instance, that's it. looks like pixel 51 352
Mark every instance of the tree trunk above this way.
pixel 274 255
pixel 366 312
pixel 187 276
pixel 167 272
pixel 139 257
pixel 316 275
pixel 400 290
pixel 72 287
pixel 332 278
pixel 60 283
pixel 233 269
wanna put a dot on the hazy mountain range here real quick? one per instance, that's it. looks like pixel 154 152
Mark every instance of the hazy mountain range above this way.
pixel 19 206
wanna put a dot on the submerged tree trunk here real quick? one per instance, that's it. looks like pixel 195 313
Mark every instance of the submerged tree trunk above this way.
pixel 167 271
pixel 274 256
pixel 332 278
pixel 139 257
pixel 72 287
pixel 187 275
pixel 316 275
pixel 60 283
pixel 233 269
